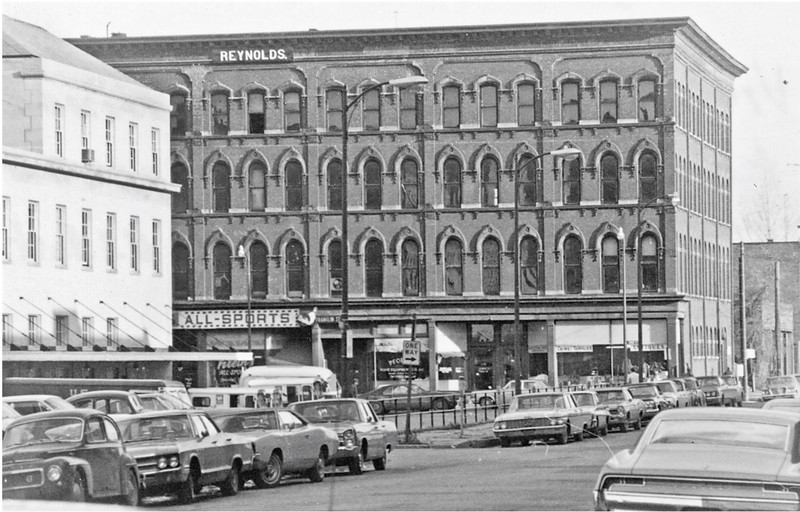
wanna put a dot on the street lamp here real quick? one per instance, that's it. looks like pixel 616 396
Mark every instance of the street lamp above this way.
pixel 243 254
pixel 398 82
pixel 673 200
pixel 567 154
pixel 621 239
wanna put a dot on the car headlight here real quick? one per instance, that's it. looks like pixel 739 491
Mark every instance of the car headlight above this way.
pixel 162 463
pixel 174 461
pixel 556 421
pixel 502 425
pixel 349 438
pixel 54 473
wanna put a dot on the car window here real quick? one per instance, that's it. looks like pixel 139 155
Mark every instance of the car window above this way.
pixel 264 420
pixel 56 402
pixel 369 412
pixel 199 426
pixel 726 432
pixel 609 396
pixel 201 401
pixel 94 431
pixel 400 390
pixel 210 426
pixel 643 392
pixel 708 381
pixel 119 406
pixel 53 430
pixel 583 399
pixel 289 420
pixel 26 408
pixel 665 387
pixel 111 431
pixel 536 402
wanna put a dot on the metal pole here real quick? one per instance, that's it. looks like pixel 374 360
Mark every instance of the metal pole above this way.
pixel 517 348
pixel 249 308
pixel 743 321
pixel 624 314
pixel 408 391
pixel 639 290
pixel 345 256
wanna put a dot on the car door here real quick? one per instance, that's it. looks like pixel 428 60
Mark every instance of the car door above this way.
pixel 208 450
pixel 374 430
pixel 102 454
pixel 297 435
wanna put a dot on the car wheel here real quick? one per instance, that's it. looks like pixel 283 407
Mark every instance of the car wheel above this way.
pixel 230 486
pixel 271 475
pixel 486 402
pixel 78 490
pixel 604 430
pixel 380 463
pixel 356 464
pixel 623 427
pixel 439 404
pixel 563 437
pixel 578 436
pixel 188 491
pixel 317 473
pixel 131 496
pixel 638 424
pixel 505 442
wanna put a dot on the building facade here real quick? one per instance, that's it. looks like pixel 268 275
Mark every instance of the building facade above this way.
pixel 256 143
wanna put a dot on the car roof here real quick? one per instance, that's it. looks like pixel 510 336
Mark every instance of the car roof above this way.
pixel 329 400
pixel 101 393
pixel 64 413
pixel 729 413
pixel 20 398
pixel 159 414
pixel 234 411
pixel 615 388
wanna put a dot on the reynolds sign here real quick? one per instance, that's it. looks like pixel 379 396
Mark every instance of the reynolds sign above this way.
pixel 252 56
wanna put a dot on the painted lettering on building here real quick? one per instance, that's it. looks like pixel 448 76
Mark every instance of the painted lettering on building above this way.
pixel 238 319
pixel 253 55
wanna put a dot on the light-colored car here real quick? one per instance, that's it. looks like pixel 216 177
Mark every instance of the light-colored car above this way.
pixel 29 404
pixel 110 402
pixel 624 409
pixel 542 416
pixel 9 415
pixel 590 401
pixel 720 392
pixel 790 404
pixel 503 396
pixel 286 442
pixel 782 386
pixel 674 393
pixel 180 451
pixel 654 402
pixel 690 385
pixel 707 459
pixel 362 435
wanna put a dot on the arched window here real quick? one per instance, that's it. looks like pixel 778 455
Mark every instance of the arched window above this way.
pixel 180 271
pixel 489 105
pixel 452 183
pixel 335 185
pixel 409 183
pixel 294 186
pixel 609 166
pixel 572 181
pixel 295 269
pixel 373 265
pixel 491 267
pixel 608 101
pixel 258 191
pixel 335 267
pixel 648 183
pixel 527 181
pixel 371 108
pixel 410 262
pixel 222 271
pixel 610 248
pixel 334 100
pixel 529 266
pixel 453 267
pixel 180 174
pixel 259 264
pixel 647 100
pixel 256 120
pixel 570 102
pixel 573 265
pixel 373 190
pixel 451 106
pixel 219 113
pixel 292 111
pixel 221 177
pixel 489 183
pixel 526 104
pixel 179 116
pixel 649 263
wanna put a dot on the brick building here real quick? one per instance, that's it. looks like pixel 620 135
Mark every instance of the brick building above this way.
pixel 256 145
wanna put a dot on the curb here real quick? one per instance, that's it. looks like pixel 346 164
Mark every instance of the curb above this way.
pixel 485 442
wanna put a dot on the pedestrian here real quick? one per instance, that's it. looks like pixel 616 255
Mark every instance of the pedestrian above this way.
pixel 261 399
pixel 277 396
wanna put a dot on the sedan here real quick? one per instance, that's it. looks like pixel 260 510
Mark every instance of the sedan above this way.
pixel 542 416
pixel 29 404
pixel 707 459
pixel 653 400
pixel 362 435
pixel 624 409
pixel 286 443
pixel 109 401
pixel 590 401
pixel 394 398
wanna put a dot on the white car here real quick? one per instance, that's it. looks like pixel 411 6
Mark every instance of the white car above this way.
pixel 29 404
pixel 502 397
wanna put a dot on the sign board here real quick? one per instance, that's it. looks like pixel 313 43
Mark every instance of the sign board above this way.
pixel 238 319
pixel 411 352
pixel 252 55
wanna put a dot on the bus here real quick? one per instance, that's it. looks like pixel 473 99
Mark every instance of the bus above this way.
pixel 65 387
pixel 324 380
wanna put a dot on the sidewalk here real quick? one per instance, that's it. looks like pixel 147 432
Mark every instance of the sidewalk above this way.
pixel 472 436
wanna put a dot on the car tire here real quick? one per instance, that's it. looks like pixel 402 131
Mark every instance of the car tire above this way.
pixel 271 475
pixel 356 464
pixel 638 424
pixel 188 490
pixel 438 404
pixel 623 427
pixel 604 430
pixel 78 490
pixel 131 496
pixel 230 486
pixel 317 473
pixel 505 442
pixel 486 402
pixel 578 436
pixel 563 437
pixel 380 463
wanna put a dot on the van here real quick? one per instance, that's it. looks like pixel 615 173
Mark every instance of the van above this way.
pixel 292 390
pixel 323 380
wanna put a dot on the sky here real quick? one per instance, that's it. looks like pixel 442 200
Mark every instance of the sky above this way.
pixel 763 36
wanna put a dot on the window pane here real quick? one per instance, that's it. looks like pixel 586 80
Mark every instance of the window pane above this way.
pixel 335 185
pixel 648 188
pixel 410 262
pixel 180 272
pixel 453 265
pixel 572 181
pixel 258 270
pixel 408 108
pixel 527 181
pixel 334 100
pixel 372 110
pixel 452 183
pixel 610 259
pixel 295 264
pixel 409 183
pixel 610 179
pixel 292 111
pixel 373 261
pixel 491 267
pixel 178 115
pixel 647 100
pixel 608 101
pixel 180 201
pixel 525 104
pixel 222 272
pixel 451 106
pixel 258 200
pixel 222 190
pixel 335 267
pixel 488 105
pixel 255 112
pixel 573 278
pixel 219 113
pixel 294 186
pixel 570 103
pixel 372 185
pixel 529 266
pixel 489 169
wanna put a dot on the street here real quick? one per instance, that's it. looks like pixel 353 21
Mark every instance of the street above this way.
pixel 536 477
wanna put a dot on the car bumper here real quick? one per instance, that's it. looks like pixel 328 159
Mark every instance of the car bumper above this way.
pixel 344 454
pixel 152 480
pixel 630 499
pixel 531 432
pixel 713 400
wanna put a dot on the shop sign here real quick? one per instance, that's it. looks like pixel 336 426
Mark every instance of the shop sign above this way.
pixel 252 55
pixel 574 348
pixel 228 373
pixel 238 319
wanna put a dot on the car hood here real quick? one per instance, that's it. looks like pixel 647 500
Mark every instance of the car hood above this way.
pixel 530 413
pixel 336 426
pixel 704 462
pixel 37 452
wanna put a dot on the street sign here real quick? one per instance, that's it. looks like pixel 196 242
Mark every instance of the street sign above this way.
pixel 411 352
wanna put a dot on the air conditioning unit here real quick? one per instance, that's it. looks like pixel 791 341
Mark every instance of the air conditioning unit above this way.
pixel 336 284
pixel 87 155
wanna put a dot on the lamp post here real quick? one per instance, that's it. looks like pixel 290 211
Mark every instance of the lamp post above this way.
pixel 566 154
pixel 621 238
pixel 673 200
pixel 243 254
pixel 345 324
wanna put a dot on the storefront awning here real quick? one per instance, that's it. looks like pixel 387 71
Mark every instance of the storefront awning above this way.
pixel 122 357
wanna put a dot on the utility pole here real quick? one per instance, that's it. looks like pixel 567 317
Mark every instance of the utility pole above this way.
pixel 743 321
pixel 778 350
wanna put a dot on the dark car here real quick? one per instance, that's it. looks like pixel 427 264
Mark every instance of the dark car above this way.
pixel 394 397
pixel 623 408
pixel 362 435
pixel 74 455
pixel 180 451
pixel 654 401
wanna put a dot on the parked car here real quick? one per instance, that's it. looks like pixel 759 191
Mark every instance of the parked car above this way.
pixel 9 415
pixel 791 404
pixel 362 435
pixel 649 393
pixel 161 402
pixel 30 404
pixel 542 416
pixel 707 459
pixel 677 397
pixel 719 392
pixel 589 401
pixel 180 451
pixel 623 408
pixel 394 397
pixel 68 454
pixel 783 386
pixel 286 443
pixel 690 385
pixel 734 390
pixel 502 396
pixel 109 402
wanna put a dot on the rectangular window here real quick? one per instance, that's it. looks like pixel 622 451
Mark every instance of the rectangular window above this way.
pixel 8 329
pixel 61 228
pixel 59 126
pixel 34 331
pixel 255 112
pixel 112 332
pixel 608 101
pixel 133 143
pixel 87 331
pixel 109 141
pixel 451 107
pixel 178 116
pixel 219 113
pixel 371 104
pixel 570 103
pixel 155 148
pixel 33 231
pixel 111 241
pixel 647 100
pixel 62 330
pixel 86 238
pixel 526 110
pixel 489 106
pixel 334 101
pixel 134 244
pixel 6 214
pixel 86 129
pixel 157 246
pixel 408 108
pixel 292 111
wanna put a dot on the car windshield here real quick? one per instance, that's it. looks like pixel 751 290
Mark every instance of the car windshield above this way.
pixel 781 381
pixel 665 387
pixel 722 433
pixel 690 385
pixel 538 402
pixel 708 381
pixel 611 396
pixel 263 420
pixel 645 391
pixel 52 430
pixel 148 429
pixel 328 411
pixel 583 399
